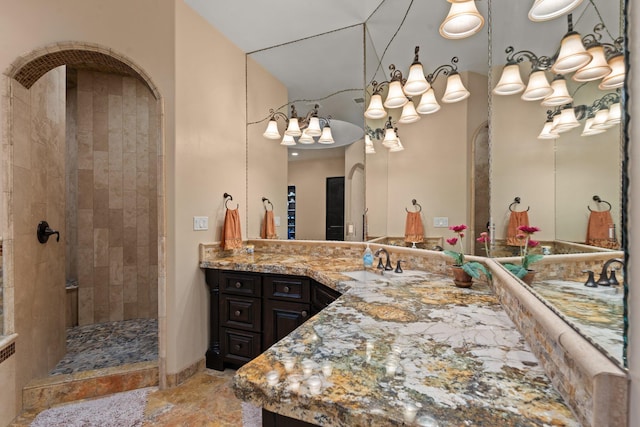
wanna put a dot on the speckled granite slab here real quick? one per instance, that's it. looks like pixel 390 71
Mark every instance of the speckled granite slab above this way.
pixel 457 358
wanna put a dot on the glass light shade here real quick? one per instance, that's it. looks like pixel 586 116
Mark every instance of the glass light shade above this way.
pixel 428 103
pixel 314 127
pixel 588 129
pixel 572 54
pixel 615 79
pixel 538 87
pixel 409 114
pixel 390 138
pixel 600 121
pixel 560 95
pixel 375 109
pixel 368 149
pixel 615 114
pixel 326 137
pixel 416 83
pixel 596 69
pixel 367 141
pixel 288 140
pixel 567 121
pixel 547 131
pixel 294 128
pixel 397 147
pixel 462 21
pixel 455 89
pixel 272 130
pixel 305 138
pixel 510 81
pixel 396 97
pixel 544 10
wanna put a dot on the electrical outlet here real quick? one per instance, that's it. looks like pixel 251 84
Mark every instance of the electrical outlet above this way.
pixel 440 221
pixel 200 223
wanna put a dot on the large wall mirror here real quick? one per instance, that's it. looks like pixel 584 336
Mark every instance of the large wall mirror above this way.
pixel 561 178
pixel 446 166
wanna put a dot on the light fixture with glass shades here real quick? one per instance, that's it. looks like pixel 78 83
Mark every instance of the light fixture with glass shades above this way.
pixel 588 58
pixel 308 129
pixel 389 136
pixel 463 20
pixel 402 92
pixel 601 115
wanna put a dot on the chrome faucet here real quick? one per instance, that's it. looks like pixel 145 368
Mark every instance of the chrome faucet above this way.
pixel 387 265
pixel 606 280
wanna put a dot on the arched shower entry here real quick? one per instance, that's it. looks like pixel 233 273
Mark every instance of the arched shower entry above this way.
pixel 84 152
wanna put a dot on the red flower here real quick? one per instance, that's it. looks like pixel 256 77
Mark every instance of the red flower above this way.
pixel 521 236
pixel 458 228
pixel 482 239
pixel 533 243
pixel 452 241
pixel 528 229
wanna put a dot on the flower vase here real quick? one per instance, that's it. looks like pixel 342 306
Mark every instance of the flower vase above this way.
pixel 528 278
pixel 461 278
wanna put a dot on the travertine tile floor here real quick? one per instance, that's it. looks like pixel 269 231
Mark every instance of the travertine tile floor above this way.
pixel 206 399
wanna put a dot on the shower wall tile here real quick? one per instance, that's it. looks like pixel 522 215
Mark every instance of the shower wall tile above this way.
pixel 129 172
pixel 116 229
pixel 116 273
pixel 85 267
pixel 114 82
pixel 116 305
pixel 101 247
pixel 101 294
pixel 130 310
pixel 115 189
pixel 85 229
pixel 21 120
pixel 129 107
pixel 101 170
pixel 100 125
pixel 85 80
pixel 130 246
pixel 85 189
pixel 101 208
pixel 130 284
pixel 129 211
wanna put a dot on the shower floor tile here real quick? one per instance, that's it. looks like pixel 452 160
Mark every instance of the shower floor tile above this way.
pixel 105 345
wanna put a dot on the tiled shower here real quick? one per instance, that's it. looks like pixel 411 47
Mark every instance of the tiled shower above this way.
pixel 112 133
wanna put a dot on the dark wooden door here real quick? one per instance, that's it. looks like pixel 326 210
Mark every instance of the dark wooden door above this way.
pixel 335 208
pixel 281 318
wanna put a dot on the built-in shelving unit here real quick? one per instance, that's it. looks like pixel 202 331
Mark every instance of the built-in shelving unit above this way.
pixel 291 212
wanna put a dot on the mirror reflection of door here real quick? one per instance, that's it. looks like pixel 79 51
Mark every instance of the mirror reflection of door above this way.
pixel 335 208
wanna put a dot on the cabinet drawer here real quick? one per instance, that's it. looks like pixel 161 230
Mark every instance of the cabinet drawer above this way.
pixel 241 312
pixel 239 347
pixel 240 284
pixel 322 296
pixel 289 288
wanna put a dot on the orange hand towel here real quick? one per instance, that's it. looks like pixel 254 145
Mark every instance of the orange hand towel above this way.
pixel 231 234
pixel 598 230
pixel 268 230
pixel 516 219
pixel 414 230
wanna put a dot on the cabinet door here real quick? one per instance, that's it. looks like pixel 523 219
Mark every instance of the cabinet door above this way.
pixel 239 347
pixel 281 318
pixel 240 312
pixel 322 296
pixel 291 288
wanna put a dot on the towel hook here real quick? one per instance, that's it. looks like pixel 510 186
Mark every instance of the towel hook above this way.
pixel 228 197
pixel 264 199
pixel 597 199
pixel 516 201
pixel 415 204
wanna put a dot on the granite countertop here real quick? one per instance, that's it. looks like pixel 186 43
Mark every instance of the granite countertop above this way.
pixel 458 358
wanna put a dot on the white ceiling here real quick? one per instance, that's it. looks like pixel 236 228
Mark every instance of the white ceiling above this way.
pixel 319 48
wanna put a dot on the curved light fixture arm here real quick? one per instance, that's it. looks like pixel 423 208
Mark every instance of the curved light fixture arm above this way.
pixel 537 62
pixel 445 69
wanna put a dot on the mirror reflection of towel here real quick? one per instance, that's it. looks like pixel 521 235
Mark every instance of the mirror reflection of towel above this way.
pixel 414 230
pixel 598 230
pixel 516 219
pixel 231 234
pixel 268 230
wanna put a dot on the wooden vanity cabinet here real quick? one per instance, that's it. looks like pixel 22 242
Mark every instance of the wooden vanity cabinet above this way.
pixel 249 312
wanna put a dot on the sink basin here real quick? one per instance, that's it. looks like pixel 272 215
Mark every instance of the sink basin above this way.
pixel 365 275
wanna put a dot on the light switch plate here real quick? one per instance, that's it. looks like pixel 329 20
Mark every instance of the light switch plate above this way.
pixel 276 220
pixel 440 221
pixel 200 223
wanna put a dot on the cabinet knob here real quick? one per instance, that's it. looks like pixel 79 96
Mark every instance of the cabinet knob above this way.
pixel 237 346
pixel 238 285
pixel 286 289
pixel 304 313
pixel 237 313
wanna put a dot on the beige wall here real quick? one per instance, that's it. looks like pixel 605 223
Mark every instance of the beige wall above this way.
pixel 354 190
pixel 266 158
pixel 310 179
pixel 521 164
pixel 38 133
pixel 114 203
pixel 377 191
